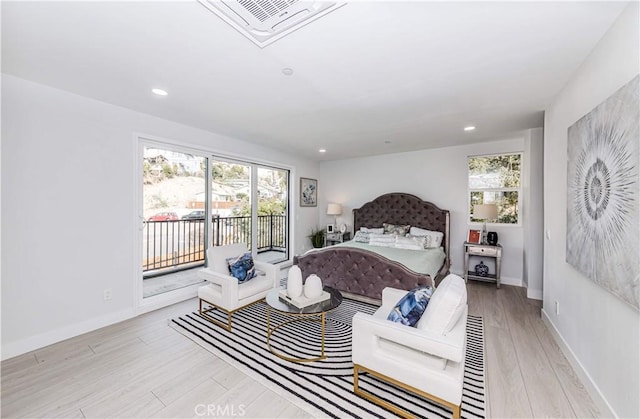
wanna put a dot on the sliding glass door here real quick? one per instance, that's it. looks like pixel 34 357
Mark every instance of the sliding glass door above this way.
pixel 174 233
pixel 250 205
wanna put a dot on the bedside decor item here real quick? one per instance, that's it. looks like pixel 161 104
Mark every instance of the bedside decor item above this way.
pixel 308 192
pixel 317 238
pixel 474 236
pixel 492 238
pixel 330 228
pixel 313 287
pixel 603 192
pixel 294 282
pixel 482 269
pixel 343 228
pixel 335 210
pixel 485 212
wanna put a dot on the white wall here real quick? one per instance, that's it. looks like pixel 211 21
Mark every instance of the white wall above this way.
pixel 598 331
pixel 68 221
pixel 532 213
pixel 436 175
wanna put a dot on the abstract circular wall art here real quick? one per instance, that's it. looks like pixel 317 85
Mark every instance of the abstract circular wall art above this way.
pixel 603 204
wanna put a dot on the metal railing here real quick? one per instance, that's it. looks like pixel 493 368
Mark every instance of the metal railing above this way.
pixel 181 243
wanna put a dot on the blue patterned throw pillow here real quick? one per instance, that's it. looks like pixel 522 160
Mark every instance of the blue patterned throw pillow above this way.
pixel 241 267
pixel 410 307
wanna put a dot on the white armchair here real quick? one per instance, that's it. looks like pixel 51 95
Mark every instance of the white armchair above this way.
pixel 427 360
pixel 223 292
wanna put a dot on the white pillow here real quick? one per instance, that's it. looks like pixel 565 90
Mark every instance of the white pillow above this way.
pixel 435 237
pixel 383 240
pixel 445 306
pixel 361 237
pixel 411 243
pixel 372 230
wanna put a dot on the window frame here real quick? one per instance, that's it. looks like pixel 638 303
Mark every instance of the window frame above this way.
pixel 519 190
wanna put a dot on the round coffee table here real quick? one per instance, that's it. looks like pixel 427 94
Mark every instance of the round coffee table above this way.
pixel 314 312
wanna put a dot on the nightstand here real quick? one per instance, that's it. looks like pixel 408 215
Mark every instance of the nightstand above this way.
pixel 483 251
pixel 335 238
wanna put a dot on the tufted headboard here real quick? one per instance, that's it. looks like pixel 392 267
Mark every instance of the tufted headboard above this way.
pixel 404 208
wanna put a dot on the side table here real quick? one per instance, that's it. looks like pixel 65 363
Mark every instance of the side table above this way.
pixel 486 251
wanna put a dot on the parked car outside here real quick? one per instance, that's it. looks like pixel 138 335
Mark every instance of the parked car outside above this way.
pixel 164 216
pixel 194 215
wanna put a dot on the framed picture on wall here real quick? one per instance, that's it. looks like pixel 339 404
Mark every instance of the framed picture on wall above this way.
pixel 308 192
pixel 474 236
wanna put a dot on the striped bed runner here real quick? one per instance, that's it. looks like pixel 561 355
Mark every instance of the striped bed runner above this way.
pixel 325 388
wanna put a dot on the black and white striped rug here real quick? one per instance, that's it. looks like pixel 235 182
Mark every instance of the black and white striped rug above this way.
pixel 325 388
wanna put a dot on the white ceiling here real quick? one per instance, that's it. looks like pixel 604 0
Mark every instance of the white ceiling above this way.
pixel 412 73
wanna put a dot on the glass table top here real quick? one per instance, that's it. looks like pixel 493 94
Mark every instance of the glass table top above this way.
pixel 276 303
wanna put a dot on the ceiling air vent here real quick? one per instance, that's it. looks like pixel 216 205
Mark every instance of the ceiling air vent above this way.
pixel 265 21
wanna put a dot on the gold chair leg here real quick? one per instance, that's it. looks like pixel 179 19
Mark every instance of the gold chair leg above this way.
pixel 456 412
pixel 204 313
pixel 398 411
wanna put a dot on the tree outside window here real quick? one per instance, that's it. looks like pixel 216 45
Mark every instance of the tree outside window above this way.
pixel 496 180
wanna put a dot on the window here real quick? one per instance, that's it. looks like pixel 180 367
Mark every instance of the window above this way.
pixel 250 205
pixel 496 180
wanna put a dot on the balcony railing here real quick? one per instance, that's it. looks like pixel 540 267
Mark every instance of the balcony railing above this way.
pixel 181 243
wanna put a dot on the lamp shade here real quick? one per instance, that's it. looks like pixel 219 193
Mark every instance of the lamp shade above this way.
pixel 485 211
pixel 334 209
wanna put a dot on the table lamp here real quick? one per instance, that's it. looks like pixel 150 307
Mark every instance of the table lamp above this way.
pixel 485 212
pixel 335 210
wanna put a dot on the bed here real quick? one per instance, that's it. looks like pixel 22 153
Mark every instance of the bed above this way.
pixel 361 273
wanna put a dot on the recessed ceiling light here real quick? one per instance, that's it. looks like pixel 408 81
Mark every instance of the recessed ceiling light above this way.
pixel 159 92
pixel 287 71
pixel 322 150
pixel 469 128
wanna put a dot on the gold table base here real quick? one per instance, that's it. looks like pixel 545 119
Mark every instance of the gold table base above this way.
pixel 298 318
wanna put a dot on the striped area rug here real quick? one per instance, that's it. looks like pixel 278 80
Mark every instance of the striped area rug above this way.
pixel 325 388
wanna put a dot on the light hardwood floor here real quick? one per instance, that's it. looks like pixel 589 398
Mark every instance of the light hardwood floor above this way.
pixel 143 368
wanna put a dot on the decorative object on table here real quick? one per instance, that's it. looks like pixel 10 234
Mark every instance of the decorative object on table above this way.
pixel 485 212
pixel 294 282
pixel 313 286
pixel 492 238
pixel 308 192
pixel 317 238
pixel 335 210
pixel 474 236
pixel 302 301
pixel 343 228
pixel 330 228
pixel 245 349
pixel 482 269
pixel 603 194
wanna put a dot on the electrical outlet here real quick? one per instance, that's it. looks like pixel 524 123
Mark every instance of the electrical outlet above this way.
pixel 557 308
pixel 108 295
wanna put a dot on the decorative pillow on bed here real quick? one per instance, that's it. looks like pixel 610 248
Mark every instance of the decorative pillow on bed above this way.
pixel 361 237
pixel 241 267
pixel 410 307
pixel 395 229
pixel 379 230
pixel 410 242
pixel 434 237
pixel 383 240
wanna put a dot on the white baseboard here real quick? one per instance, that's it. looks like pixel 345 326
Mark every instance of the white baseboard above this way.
pixel 606 411
pixel 168 298
pixel 534 294
pixel 11 349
